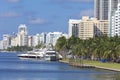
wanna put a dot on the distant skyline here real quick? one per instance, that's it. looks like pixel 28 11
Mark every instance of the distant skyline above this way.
pixel 42 15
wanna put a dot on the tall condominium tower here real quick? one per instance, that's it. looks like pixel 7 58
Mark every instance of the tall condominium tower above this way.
pixel 86 27
pixel 112 8
pixel 115 22
pixel 22 35
pixel 73 27
pixel 6 41
pixel 103 8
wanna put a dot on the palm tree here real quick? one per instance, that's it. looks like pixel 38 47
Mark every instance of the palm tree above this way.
pixel 60 43
pixel 98 47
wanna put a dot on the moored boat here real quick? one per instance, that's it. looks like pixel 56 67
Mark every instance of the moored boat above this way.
pixel 35 54
pixel 48 55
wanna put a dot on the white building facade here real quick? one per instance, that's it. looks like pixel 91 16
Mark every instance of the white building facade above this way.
pixel 6 41
pixel 51 38
pixel 86 27
pixel 36 39
pixel 115 26
pixel 39 39
pixel 111 12
pixel 73 27
pixel 22 35
pixel 14 41
pixel 1 44
pixel 30 41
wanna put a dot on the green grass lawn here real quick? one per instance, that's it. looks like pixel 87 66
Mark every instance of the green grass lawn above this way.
pixel 98 64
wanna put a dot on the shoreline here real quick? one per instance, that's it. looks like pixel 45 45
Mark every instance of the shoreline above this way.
pixel 110 69
pixel 90 66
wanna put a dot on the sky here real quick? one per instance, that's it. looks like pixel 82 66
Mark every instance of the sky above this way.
pixel 41 15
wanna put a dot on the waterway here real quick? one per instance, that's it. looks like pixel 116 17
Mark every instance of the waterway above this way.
pixel 13 68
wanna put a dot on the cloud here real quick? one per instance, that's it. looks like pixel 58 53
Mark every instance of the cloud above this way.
pixel 88 12
pixel 10 14
pixel 37 21
pixel 13 1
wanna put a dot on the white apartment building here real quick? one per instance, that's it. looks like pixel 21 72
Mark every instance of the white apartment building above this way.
pixel 51 38
pixel 112 8
pixel 101 9
pixel 36 40
pixel 73 27
pixel 115 26
pixel 86 27
pixel 14 41
pixel 104 8
pixel 30 41
pixel 46 38
pixel 22 35
pixel 1 44
pixel 43 38
pixel 6 41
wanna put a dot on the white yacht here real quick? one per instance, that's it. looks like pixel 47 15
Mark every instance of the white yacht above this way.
pixel 43 54
pixel 50 55
pixel 35 54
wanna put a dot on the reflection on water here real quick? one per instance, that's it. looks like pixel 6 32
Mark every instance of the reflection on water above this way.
pixel 116 76
pixel 12 68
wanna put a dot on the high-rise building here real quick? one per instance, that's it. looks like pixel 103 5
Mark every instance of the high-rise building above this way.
pixel 22 35
pixel 1 45
pixel 51 37
pixel 89 27
pixel 43 38
pixel 103 8
pixel 73 27
pixel 115 22
pixel 6 41
pixel 30 41
pixel 112 8
pixel 39 39
pixel 14 41
pixel 86 28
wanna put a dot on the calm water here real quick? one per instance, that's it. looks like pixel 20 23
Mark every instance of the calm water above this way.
pixel 12 68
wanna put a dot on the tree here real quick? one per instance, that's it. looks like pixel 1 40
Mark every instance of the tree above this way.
pixel 95 48
pixel 60 45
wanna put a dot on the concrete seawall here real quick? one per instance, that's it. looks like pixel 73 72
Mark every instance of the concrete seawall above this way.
pixel 110 69
pixel 78 65
pixel 90 66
